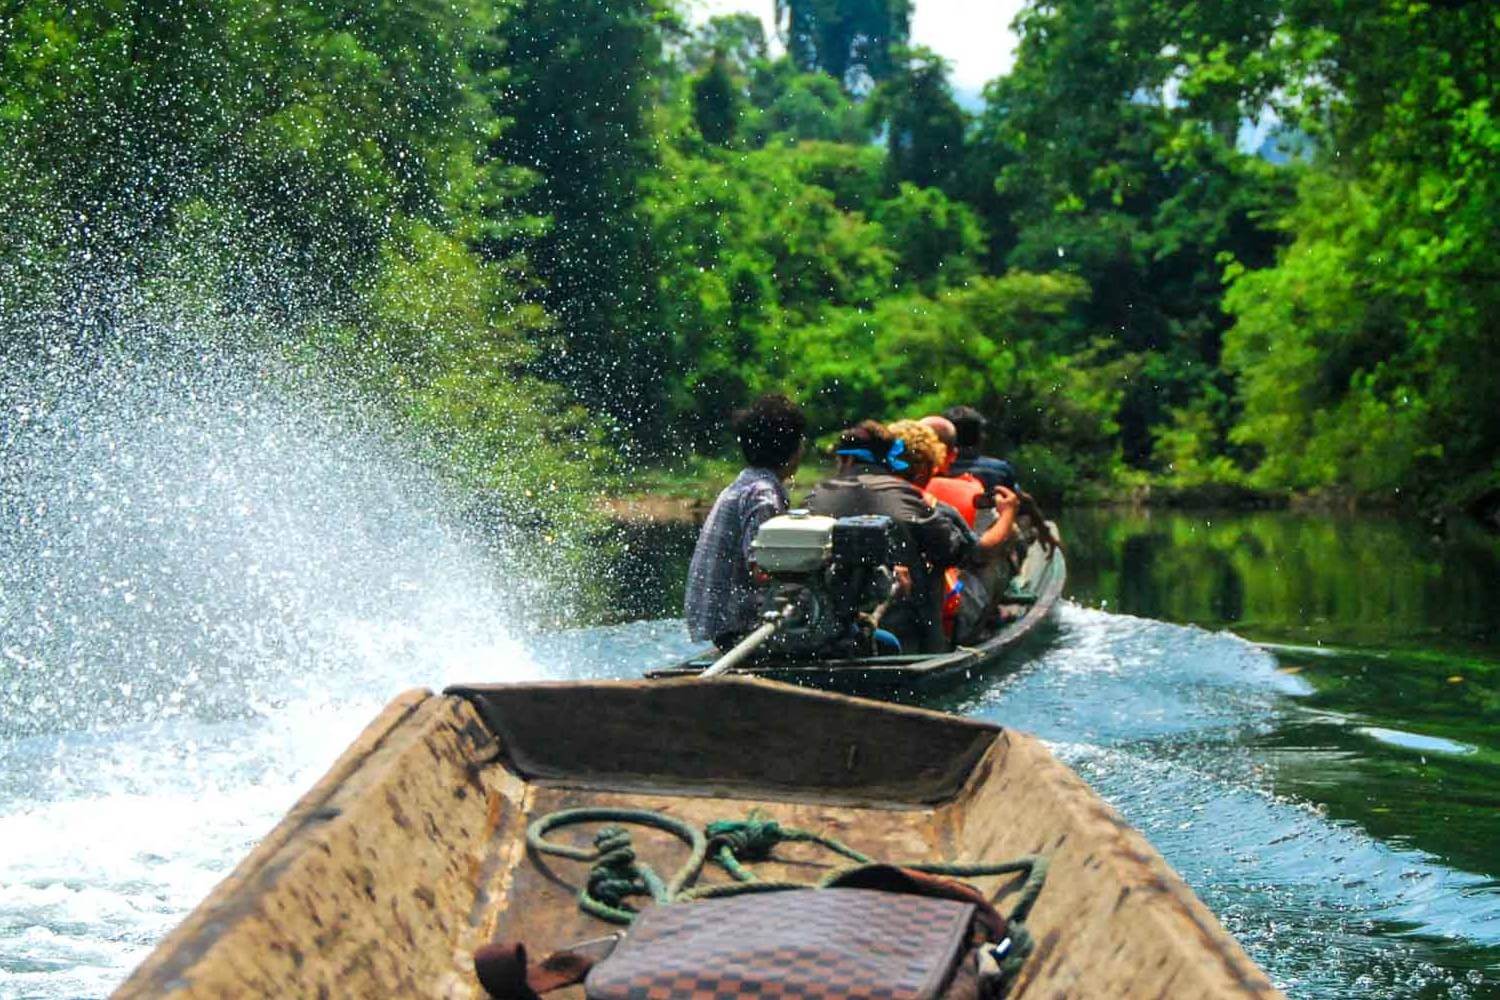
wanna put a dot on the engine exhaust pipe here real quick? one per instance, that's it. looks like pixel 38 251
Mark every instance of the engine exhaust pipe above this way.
pixel 742 649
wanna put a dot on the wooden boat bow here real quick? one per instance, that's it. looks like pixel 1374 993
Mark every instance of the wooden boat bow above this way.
pixel 409 854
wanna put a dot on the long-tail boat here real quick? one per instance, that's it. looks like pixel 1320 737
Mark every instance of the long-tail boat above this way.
pixel 411 853
pixel 1030 598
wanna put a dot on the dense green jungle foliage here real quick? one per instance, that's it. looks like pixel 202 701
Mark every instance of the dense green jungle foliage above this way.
pixel 565 236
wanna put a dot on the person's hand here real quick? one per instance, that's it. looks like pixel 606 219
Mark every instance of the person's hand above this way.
pixel 903 580
pixel 1006 500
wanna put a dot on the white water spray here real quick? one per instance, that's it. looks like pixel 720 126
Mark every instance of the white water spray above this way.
pixel 213 572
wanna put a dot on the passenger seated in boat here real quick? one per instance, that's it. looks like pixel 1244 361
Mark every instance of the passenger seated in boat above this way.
pixel 722 600
pixel 970 605
pixel 964 492
pixel 967 603
pixel 877 475
pixel 969 427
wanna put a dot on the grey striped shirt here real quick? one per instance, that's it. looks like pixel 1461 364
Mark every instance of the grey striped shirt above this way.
pixel 721 599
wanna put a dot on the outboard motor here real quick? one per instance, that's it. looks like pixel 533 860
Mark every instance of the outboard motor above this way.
pixel 828 576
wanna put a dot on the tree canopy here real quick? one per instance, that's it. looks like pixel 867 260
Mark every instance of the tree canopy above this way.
pixel 853 41
pixel 1243 244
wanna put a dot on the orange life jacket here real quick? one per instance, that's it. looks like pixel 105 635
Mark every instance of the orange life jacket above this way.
pixel 960 492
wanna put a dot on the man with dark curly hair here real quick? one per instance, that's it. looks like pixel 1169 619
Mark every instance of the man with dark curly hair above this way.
pixel 722 601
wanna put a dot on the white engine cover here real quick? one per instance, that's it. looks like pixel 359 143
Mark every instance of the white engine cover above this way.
pixel 794 542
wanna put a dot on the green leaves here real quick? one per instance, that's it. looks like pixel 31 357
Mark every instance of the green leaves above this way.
pixel 937 241
pixel 924 125
pixel 1111 151
pixel 987 344
pixel 1372 341
pixel 482 194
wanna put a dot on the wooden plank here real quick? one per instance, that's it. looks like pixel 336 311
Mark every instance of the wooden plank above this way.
pixel 1114 919
pixel 764 738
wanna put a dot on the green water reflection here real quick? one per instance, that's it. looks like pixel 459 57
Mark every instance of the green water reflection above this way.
pixel 1294 578
pixel 1394 627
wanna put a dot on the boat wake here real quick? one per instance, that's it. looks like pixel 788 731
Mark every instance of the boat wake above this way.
pixel 1170 724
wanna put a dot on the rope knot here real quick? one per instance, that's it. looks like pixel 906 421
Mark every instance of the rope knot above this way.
pixel 750 839
pixel 611 839
pixel 613 891
pixel 615 875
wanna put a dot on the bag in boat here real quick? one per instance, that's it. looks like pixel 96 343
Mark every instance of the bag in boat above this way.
pixel 879 932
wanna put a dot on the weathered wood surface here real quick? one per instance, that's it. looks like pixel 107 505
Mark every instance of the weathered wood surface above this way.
pixel 368 886
pixel 1114 919
pixel 751 738
pixel 389 873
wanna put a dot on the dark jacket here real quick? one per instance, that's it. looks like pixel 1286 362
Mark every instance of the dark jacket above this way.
pixel 927 542
pixel 991 472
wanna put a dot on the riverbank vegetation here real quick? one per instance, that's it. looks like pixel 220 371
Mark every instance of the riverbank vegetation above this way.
pixel 1186 245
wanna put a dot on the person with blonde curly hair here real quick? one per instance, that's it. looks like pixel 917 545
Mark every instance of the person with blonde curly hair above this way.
pixel 884 476
pixel 924 451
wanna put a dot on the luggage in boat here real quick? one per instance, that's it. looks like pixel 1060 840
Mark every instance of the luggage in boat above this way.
pixel 899 941
pixel 412 854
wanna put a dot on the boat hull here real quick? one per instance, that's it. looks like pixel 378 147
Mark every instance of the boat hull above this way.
pixel 409 853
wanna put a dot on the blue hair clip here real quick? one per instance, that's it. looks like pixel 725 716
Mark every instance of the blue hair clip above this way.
pixel 863 454
pixel 892 457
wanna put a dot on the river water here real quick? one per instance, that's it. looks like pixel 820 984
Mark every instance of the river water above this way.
pixel 197 614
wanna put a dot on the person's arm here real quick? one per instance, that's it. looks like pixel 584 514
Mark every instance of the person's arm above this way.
pixel 757 511
pixel 992 543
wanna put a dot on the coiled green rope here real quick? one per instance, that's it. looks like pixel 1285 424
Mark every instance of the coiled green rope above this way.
pixel 754 839
pixel 616 874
